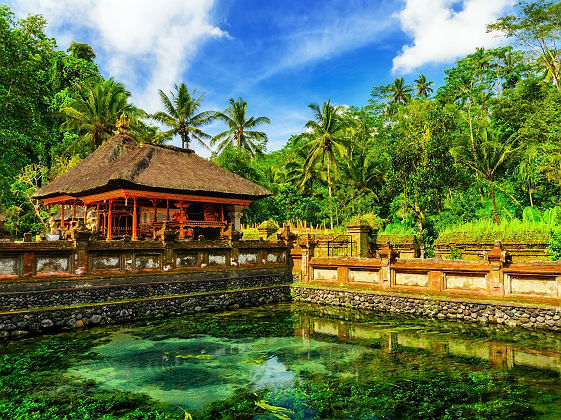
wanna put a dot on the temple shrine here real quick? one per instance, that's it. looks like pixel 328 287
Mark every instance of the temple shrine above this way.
pixel 126 188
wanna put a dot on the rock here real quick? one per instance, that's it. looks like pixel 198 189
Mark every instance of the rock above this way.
pixel 95 319
pixel 47 323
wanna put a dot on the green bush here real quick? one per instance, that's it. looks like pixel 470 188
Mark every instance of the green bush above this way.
pixel 269 224
pixel 554 247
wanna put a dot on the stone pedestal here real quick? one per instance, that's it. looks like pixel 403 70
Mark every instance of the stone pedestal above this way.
pixel 265 232
pixel 359 235
pixel 234 213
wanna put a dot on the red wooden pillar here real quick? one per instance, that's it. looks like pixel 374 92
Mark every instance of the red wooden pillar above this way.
pixel 181 230
pixel 62 216
pixel 109 220
pixel 97 216
pixel 134 220
pixel 167 210
pixel 155 202
pixel 222 218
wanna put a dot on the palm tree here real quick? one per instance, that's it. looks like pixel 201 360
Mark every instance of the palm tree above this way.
pixel 364 171
pixel 485 156
pixel 94 110
pixel 326 138
pixel 529 173
pixel 298 174
pixel 147 133
pixel 423 87
pixel 239 130
pixel 183 117
pixel 400 92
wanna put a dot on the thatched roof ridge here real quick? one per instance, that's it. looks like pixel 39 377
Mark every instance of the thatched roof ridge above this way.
pixel 121 162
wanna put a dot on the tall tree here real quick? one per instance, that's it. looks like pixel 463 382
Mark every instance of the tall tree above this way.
pixel 536 25
pixel 240 129
pixel 485 155
pixel 529 172
pixel 423 87
pixel 400 93
pixel 94 110
pixel 81 50
pixel 327 138
pixel 183 117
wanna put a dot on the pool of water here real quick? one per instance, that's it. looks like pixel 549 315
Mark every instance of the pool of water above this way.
pixel 304 361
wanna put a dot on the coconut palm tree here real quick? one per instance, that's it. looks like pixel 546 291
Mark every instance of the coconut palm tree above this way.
pixel 94 110
pixel 183 117
pixel 364 171
pixel 326 138
pixel 423 87
pixel 485 156
pixel 298 174
pixel 399 92
pixel 239 132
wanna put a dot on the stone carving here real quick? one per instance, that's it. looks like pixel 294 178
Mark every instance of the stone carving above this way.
pixel 91 220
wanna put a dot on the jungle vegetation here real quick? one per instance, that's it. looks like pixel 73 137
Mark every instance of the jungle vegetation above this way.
pixel 482 147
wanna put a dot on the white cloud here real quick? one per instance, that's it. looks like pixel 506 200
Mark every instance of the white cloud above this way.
pixel 441 34
pixel 330 34
pixel 157 37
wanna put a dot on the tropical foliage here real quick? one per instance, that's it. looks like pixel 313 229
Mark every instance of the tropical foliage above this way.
pixel 479 148
pixel 240 129
pixel 94 110
pixel 183 117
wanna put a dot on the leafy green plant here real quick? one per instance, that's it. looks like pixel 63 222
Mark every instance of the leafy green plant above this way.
pixel 455 254
pixel 554 247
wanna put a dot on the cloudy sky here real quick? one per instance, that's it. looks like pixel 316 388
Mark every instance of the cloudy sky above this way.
pixel 280 56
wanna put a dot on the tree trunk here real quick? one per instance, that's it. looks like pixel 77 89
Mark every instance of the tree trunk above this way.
pixel 329 188
pixel 530 194
pixel 494 203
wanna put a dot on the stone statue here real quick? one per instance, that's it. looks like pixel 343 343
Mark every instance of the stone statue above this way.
pixel 52 225
pixel 91 220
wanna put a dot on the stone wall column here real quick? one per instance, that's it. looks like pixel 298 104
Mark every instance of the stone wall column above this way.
pixel 81 241
pixel 234 213
pixel 288 238
pixel 387 257
pixel 359 235
pixel 435 280
pixel 308 246
pixel 28 266
pixel 497 258
pixel 342 275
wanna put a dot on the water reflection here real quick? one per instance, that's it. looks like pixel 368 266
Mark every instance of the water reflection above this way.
pixel 288 347
pixel 499 355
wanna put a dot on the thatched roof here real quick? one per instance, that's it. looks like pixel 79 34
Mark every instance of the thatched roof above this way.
pixel 122 163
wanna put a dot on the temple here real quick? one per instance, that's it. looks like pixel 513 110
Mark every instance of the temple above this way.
pixel 126 188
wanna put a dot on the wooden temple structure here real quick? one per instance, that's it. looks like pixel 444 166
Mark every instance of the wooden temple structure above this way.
pixel 124 188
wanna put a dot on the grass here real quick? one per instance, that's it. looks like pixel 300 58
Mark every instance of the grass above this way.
pixel 486 231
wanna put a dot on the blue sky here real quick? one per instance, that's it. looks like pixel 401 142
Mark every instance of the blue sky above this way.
pixel 279 56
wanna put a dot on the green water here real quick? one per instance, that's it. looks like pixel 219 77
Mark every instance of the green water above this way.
pixel 287 361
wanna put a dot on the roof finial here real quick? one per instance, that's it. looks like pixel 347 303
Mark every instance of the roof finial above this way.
pixel 122 124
